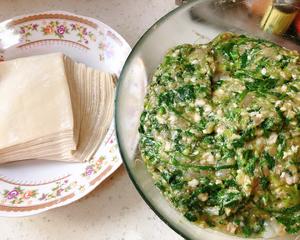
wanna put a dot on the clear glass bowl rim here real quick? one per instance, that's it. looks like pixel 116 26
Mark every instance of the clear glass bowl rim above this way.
pixel 117 124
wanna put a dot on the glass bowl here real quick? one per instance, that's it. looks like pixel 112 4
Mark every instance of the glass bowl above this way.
pixel 195 22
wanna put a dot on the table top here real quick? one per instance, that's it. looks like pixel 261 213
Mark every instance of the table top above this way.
pixel 114 210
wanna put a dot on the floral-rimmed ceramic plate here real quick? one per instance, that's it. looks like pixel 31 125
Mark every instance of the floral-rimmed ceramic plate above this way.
pixel 34 186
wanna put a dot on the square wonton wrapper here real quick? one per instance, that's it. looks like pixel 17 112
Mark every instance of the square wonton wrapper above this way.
pixel 59 110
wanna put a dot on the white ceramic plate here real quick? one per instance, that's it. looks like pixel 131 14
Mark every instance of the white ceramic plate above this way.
pixel 35 186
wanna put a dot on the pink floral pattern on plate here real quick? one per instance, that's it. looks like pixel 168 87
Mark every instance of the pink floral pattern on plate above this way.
pixel 93 167
pixel 26 31
pixel 18 195
pixel 83 33
pixel 107 41
pixel 58 190
pixel 55 28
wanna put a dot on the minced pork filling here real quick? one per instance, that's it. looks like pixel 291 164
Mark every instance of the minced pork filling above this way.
pixel 220 134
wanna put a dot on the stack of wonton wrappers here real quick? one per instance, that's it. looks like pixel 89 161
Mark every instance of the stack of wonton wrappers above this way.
pixel 53 108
